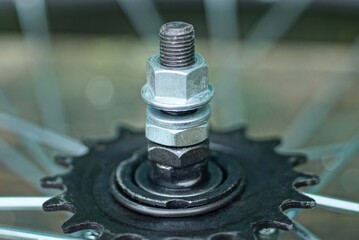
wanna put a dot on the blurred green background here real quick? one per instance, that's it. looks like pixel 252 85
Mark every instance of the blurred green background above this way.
pixel 283 68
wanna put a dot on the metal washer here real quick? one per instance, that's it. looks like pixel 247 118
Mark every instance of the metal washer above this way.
pixel 140 196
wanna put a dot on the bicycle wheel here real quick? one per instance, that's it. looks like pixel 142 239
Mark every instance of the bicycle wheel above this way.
pixel 274 65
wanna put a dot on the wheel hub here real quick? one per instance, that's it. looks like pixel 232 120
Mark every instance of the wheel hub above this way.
pixel 268 190
pixel 180 181
pixel 223 182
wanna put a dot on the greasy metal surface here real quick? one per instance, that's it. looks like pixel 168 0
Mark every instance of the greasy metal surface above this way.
pixel 212 179
pixel 222 184
pixel 178 157
pixel 175 167
pixel 269 190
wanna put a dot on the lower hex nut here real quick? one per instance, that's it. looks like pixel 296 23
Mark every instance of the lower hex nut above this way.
pixel 177 131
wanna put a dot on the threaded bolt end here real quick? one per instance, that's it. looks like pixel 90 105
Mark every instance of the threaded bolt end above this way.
pixel 177 48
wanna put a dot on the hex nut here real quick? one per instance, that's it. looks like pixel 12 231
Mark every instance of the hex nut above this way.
pixel 174 89
pixel 178 157
pixel 177 131
pixel 176 137
pixel 171 177
pixel 181 84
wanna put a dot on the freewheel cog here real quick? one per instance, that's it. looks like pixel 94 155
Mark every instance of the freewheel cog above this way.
pixel 261 185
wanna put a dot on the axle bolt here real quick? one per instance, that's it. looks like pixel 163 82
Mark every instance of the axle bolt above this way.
pixel 177 48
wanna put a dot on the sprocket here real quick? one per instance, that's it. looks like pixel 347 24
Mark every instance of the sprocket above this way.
pixel 270 184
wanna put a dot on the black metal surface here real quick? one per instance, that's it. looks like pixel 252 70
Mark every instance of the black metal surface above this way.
pixel 270 183
pixel 223 184
pixel 178 167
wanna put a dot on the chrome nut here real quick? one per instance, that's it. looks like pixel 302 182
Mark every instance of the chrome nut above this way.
pixel 176 137
pixel 180 89
pixel 177 131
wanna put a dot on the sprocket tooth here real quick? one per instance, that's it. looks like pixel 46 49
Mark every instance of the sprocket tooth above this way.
pixel 58 203
pixel 90 143
pixel 73 224
pixel 238 132
pixel 54 182
pixel 283 222
pixel 298 200
pixel 125 131
pixel 305 179
pixel 278 220
pixel 97 145
pixel 78 222
pixel 271 143
pixel 64 160
pixel 297 159
pixel 229 235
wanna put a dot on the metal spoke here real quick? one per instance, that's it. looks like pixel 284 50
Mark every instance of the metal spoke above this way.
pixel 8 232
pixel 219 14
pixel 42 158
pixel 34 26
pixel 311 117
pixel 319 106
pixel 348 152
pixel 315 112
pixel 33 148
pixel 20 165
pixel 22 203
pixel 271 27
pixel 335 204
pixel 321 152
pixel 303 233
pixel 144 16
pixel 41 135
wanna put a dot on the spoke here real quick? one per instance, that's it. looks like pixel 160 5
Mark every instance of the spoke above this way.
pixel 315 112
pixel 22 203
pixel 318 108
pixel 34 26
pixel 329 203
pixel 219 14
pixel 335 204
pixel 303 233
pixel 321 152
pixel 41 135
pixel 41 157
pixel 348 152
pixel 8 232
pixel 144 16
pixel 20 165
pixel 310 119
pixel 33 148
pixel 272 26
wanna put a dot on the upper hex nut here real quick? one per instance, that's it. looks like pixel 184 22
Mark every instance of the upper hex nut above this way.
pixel 177 89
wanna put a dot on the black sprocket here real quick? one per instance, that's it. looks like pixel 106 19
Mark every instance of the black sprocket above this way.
pixel 270 189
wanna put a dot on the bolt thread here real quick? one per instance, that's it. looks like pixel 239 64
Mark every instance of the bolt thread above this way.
pixel 177 48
